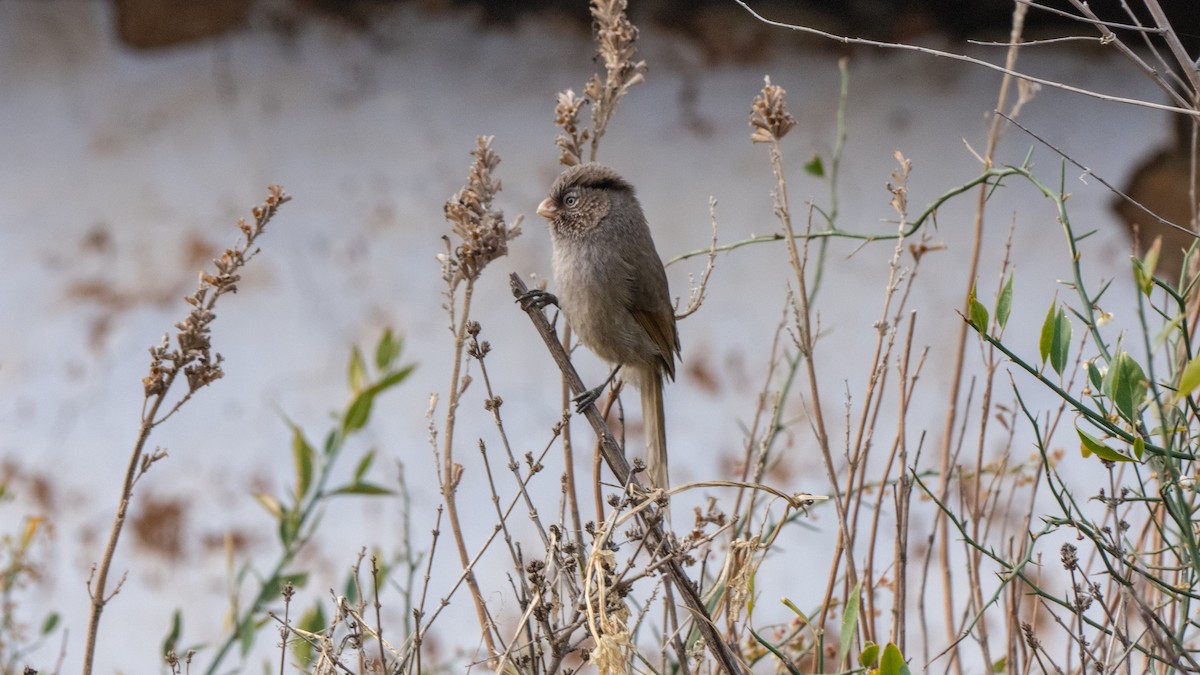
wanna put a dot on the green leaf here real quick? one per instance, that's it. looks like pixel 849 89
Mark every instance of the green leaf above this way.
pixel 171 641
pixel 979 313
pixel 1189 379
pixel 1126 385
pixel 869 655
pixel 358 371
pixel 361 489
pixel 1090 445
pixel 849 622
pixel 387 350
pixel 1139 447
pixel 359 411
pixel 892 662
pixel 302 457
pixel 364 465
pixel 51 622
pixel 1055 342
pixel 1143 270
pixel 246 634
pixel 1061 346
pixel 1046 342
pixel 1000 665
pixel 815 167
pixel 313 621
pixel 795 610
pixel 1095 377
pixel 392 379
pixel 289 527
pixel 1004 303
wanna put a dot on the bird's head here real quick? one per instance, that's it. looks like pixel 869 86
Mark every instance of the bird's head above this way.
pixel 581 197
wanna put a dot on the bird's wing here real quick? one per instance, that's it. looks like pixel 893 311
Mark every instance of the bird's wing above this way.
pixel 660 326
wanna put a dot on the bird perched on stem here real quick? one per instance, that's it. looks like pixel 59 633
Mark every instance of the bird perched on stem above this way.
pixel 613 290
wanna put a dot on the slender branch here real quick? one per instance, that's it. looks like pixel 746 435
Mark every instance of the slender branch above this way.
pixel 961 57
pixel 614 456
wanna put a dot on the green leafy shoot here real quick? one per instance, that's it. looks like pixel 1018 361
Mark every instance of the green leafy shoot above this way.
pixel 849 623
pixel 1143 270
pixel 815 167
pixel 978 313
pixel 1126 384
pixel 892 662
pixel 869 655
pixel 303 456
pixel 1189 379
pixel 1004 303
pixel 1055 341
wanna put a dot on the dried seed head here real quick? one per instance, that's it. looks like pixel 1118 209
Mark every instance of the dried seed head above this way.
pixel 193 354
pixel 1070 559
pixel 1031 639
pixel 615 36
pixel 483 235
pixel 769 116
pixel 566 115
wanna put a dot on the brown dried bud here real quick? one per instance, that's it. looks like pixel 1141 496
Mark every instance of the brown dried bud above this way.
pixel 769 116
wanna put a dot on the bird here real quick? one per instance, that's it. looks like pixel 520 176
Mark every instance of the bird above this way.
pixel 612 288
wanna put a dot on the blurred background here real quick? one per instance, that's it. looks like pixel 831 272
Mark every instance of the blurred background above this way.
pixel 137 132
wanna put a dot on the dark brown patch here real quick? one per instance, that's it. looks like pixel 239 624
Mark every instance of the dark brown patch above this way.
pixel 214 542
pixel 158 526
pixel 148 24
pixel 97 239
pixel 42 491
pixel 699 368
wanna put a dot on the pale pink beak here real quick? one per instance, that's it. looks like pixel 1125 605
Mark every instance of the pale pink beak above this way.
pixel 547 209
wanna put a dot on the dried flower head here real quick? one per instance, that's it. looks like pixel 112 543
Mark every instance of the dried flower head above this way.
pixel 1070 559
pixel 615 36
pixel 193 355
pixel 566 115
pixel 742 565
pixel 769 115
pixel 483 235
pixel 1031 638
pixel 899 185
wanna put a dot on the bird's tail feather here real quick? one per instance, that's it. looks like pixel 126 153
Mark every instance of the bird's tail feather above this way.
pixel 656 432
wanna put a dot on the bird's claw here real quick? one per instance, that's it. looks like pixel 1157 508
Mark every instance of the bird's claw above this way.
pixel 537 299
pixel 588 397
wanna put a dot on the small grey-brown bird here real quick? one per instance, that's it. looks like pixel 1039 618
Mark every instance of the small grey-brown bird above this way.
pixel 613 290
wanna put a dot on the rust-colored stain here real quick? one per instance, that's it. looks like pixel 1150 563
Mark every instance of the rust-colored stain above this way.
pixel 158 525
pixel 699 367
pixel 105 294
pixel 214 542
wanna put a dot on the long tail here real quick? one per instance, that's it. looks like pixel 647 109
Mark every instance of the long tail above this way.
pixel 656 431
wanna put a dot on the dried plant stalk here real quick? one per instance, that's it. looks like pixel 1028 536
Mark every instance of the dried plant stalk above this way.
pixel 200 366
pixel 615 36
pixel 483 236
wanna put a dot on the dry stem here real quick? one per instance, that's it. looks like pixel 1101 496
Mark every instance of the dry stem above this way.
pixel 193 357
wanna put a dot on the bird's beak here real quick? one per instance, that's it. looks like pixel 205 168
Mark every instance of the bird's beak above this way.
pixel 547 209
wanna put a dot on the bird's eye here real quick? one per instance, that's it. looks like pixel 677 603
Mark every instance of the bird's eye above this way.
pixel 570 201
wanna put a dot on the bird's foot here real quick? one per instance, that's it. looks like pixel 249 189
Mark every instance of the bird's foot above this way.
pixel 588 397
pixel 537 299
